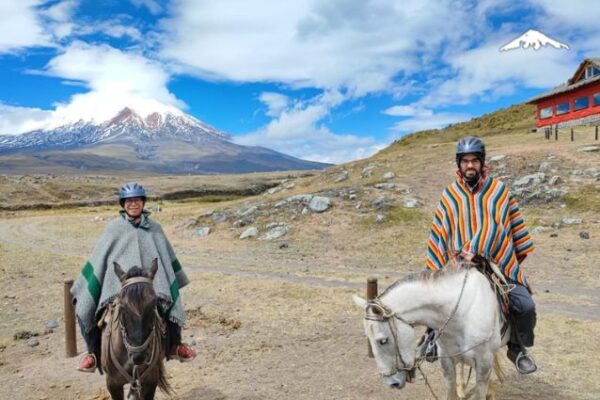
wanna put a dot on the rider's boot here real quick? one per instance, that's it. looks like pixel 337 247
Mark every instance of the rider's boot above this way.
pixel 87 363
pixel 521 358
pixel 182 352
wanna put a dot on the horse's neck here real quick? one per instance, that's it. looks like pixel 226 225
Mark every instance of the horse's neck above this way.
pixel 426 303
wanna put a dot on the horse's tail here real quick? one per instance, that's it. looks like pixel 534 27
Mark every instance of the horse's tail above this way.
pixel 498 368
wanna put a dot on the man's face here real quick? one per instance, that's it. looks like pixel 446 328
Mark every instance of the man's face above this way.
pixel 134 207
pixel 470 166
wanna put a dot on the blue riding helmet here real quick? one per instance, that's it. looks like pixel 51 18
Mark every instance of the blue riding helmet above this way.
pixel 470 145
pixel 131 189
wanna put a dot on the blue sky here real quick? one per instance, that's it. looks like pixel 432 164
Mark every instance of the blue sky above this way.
pixel 326 80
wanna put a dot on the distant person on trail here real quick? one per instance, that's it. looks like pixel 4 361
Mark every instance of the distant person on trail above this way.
pixel 131 239
pixel 477 216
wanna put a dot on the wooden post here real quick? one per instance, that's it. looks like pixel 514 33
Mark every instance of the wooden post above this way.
pixel 371 294
pixel 70 342
pixel 556 132
pixel 596 132
pixel 572 135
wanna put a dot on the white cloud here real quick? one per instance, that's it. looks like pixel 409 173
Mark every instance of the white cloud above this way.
pixel 359 45
pixel 61 11
pixel 485 71
pixel 297 131
pixel 276 103
pixel 15 120
pixel 407 111
pixel 115 28
pixel 423 122
pixel 21 26
pixel 152 5
pixel 115 79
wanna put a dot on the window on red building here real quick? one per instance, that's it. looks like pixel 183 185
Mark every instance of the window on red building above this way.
pixel 546 112
pixel 562 108
pixel 597 99
pixel 581 103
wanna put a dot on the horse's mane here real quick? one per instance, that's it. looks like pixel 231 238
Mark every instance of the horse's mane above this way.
pixel 427 275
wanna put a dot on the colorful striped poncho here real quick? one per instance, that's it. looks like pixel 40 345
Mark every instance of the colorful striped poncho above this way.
pixel 485 221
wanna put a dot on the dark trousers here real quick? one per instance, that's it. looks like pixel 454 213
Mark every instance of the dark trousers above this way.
pixel 523 316
pixel 93 338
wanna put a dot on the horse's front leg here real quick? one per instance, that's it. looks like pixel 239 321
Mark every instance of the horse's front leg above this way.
pixel 115 389
pixel 449 369
pixel 148 391
pixel 484 372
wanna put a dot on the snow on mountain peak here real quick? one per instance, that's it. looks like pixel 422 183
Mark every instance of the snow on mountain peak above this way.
pixel 533 39
pixel 128 124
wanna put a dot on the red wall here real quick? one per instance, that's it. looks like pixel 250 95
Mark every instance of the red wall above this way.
pixel 587 90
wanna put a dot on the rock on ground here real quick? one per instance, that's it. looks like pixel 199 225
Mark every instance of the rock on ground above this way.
pixel 249 233
pixel 319 204
pixel 276 232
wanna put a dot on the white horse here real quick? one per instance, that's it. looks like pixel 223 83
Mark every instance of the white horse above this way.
pixel 460 305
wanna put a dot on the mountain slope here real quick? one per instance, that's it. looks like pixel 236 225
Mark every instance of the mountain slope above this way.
pixel 160 142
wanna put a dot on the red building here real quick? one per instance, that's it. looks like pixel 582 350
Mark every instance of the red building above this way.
pixel 575 102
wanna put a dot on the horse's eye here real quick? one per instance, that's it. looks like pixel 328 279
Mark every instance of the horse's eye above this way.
pixel 383 342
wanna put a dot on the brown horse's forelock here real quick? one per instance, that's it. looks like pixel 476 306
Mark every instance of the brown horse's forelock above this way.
pixel 136 297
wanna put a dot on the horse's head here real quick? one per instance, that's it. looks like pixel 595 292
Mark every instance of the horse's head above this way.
pixel 392 340
pixel 137 302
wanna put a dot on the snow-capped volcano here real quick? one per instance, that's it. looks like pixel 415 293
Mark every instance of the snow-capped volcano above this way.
pixel 164 141
pixel 534 39
pixel 127 125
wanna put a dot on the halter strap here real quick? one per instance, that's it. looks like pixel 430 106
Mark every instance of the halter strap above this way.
pixel 136 279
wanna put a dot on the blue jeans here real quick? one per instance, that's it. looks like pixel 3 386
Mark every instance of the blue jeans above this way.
pixel 523 315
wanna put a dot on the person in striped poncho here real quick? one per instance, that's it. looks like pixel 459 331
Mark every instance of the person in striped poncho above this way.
pixel 477 215
pixel 131 239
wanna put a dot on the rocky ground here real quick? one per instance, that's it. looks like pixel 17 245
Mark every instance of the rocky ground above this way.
pixel 269 304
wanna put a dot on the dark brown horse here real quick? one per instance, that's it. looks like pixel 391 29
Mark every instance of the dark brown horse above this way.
pixel 133 345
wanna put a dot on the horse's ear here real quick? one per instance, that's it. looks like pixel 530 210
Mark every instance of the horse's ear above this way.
pixel 119 272
pixel 153 268
pixel 359 301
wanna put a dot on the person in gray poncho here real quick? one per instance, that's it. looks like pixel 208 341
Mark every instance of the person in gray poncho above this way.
pixel 132 239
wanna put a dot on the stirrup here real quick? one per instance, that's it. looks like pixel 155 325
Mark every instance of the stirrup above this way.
pixel 429 347
pixel 90 369
pixel 520 356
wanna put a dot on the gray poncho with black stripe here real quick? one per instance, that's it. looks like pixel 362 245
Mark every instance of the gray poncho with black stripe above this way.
pixel 129 246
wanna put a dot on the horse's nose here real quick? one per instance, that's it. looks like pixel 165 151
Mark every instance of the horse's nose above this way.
pixel 395 385
pixel 138 358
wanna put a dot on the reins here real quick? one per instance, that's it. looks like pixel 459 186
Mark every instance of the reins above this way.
pixel 153 341
pixel 386 315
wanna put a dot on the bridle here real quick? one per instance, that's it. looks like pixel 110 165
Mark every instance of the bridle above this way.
pixel 152 342
pixel 131 349
pixel 384 314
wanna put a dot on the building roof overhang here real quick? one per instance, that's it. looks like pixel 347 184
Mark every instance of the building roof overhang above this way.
pixel 572 83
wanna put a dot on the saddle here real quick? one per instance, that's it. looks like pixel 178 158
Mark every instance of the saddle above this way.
pixel 499 285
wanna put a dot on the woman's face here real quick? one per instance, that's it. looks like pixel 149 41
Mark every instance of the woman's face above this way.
pixel 134 207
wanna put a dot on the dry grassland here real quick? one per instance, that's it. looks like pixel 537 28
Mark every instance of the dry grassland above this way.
pixel 273 323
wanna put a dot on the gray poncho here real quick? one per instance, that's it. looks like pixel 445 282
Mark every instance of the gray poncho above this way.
pixel 129 246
